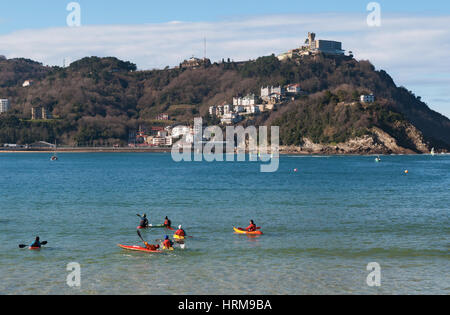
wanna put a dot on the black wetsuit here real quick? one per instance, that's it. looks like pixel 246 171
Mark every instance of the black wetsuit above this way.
pixel 144 223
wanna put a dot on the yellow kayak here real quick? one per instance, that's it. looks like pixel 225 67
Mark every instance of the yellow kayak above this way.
pixel 240 231
pixel 178 237
pixel 165 248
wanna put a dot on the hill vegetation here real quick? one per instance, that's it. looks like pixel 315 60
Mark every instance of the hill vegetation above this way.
pixel 99 100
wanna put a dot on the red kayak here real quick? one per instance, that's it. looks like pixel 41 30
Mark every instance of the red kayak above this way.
pixel 139 249
pixel 34 248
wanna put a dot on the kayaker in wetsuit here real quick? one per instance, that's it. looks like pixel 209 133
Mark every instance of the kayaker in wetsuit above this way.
pixel 167 223
pixel 167 242
pixel 251 227
pixel 37 243
pixel 180 232
pixel 144 221
pixel 151 246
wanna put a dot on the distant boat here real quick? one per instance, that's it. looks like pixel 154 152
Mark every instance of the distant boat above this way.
pixel 433 153
pixel 378 159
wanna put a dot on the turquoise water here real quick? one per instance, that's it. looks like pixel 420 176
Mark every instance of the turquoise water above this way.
pixel 322 225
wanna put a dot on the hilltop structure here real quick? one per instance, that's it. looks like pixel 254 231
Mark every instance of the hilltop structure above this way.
pixel 195 63
pixel 314 46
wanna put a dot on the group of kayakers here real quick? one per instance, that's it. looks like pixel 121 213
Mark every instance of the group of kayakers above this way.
pixel 180 233
pixel 167 243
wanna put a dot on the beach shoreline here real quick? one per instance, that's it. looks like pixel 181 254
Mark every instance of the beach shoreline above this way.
pixel 169 150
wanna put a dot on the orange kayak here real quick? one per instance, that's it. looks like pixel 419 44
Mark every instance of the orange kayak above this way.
pixel 139 249
pixel 241 231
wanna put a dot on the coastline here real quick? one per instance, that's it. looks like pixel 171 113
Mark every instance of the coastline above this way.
pixel 169 150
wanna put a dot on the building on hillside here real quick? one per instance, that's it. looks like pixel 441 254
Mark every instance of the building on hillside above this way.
pixel 230 119
pixel 367 98
pixel 254 109
pixel 227 109
pixel 314 46
pixel 162 116
pixel 40 113
pixel 293 89
pixel 4 105
pixel 239 108
pixel 195 63
pixel 324 46
pixel 162 141
pixel 27 83
pixel 272 94
pixel 247 100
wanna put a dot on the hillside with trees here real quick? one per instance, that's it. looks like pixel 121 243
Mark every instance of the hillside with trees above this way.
pixel 96 101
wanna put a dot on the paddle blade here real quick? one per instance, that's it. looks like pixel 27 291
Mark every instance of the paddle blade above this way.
pixel 44 243
pixel 23 246
pixel 140 236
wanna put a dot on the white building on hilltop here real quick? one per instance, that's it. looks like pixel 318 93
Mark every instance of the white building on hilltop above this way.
pixel 313 47
pixel 4 105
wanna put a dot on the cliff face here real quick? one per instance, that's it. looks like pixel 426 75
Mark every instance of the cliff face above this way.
pixel 379 142
pixel 99 100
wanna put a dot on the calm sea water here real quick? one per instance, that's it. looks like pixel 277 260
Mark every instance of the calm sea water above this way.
pixel 322 225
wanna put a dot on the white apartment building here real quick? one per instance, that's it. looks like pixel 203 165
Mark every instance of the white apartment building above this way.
pixel 269 90
pixel 368 98
pixel 229 119
pixel 239 109
pixel 248 100
pixel 4 105
pixel 254 109
pixel 227 109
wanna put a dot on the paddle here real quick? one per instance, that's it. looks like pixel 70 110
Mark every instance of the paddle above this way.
pixel 140 236
pixel 24 246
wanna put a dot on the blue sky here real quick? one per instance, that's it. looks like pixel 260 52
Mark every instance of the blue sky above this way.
pixel 26 14
pixel 413 43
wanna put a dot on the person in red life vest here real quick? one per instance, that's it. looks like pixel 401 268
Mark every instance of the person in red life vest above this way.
pixel 180 232
pixel 251 227
pixel 167 223
pixel 167 242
